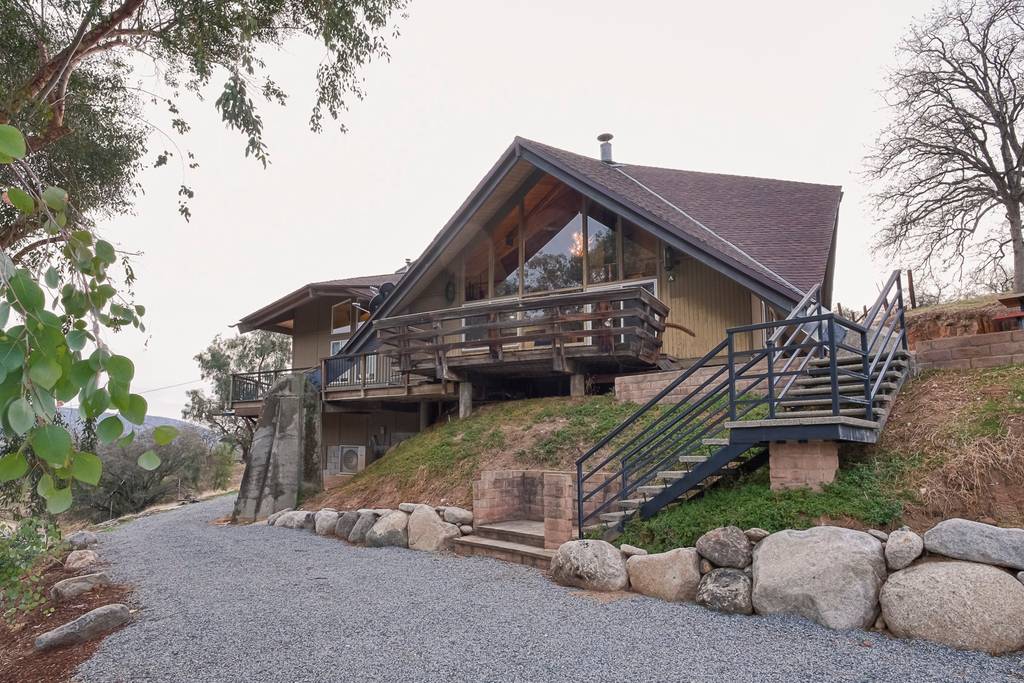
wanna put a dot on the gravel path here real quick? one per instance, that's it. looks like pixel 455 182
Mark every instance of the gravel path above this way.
pixel 264 604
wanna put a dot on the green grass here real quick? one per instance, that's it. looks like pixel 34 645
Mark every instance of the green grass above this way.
pixel 987 417
pixel 864 492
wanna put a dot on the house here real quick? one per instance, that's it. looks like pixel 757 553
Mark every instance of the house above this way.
pixel 559 273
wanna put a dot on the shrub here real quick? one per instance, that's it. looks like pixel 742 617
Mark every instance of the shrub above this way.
pixel 222 463
pixel 21 551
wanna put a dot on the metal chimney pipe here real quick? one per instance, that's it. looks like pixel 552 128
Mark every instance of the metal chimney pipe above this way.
pixel 606 147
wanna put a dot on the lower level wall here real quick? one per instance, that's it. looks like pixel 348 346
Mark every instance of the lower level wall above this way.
pixel 972 351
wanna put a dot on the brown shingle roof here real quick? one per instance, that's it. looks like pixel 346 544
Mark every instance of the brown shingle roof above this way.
pixel 776 230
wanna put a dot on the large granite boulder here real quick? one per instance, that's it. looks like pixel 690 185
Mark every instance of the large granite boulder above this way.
pixel 726 546
pixel 324 522
pixel 960 604
pixel 902 548
pixel 77 585
pixel 726 590
pixel 428 532
pixel 390 530
pixel 589 564
pixel 80 559
pixel 672 576
pixel 367 518
pixel 458 516
pixel 86 627
pixel 346 521
pixel 272 519
pixel 826 574
pixel 80 540
pixel 297 519
pixel 963 539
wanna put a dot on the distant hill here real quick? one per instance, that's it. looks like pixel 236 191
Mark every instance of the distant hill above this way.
pixel 72 416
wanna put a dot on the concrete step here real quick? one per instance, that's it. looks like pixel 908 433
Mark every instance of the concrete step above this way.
pixel 715 442
pixel 844 388
pixel 846 358
pixel 517 553
pixel 692 459
pixel 843 412
pixel 817 380
pixel 525 532
pixel 614 517
pixel 799 402
pixel 630 503
pixel 817 370
pixel 651 490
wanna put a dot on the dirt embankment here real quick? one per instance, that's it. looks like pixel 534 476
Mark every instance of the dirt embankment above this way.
pixel 955 319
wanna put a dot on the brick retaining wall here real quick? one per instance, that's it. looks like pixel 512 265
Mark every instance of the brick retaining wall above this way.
pixel 973 351
pixel 642 388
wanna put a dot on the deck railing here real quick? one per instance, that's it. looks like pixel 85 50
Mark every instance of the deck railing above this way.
pixel 627 321
pixel 254 386
pixel 361 370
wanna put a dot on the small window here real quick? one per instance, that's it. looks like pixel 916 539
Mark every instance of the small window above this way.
pixel 336 345
pixel 347 316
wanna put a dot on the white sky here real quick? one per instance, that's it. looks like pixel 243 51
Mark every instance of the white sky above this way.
pixel 782 90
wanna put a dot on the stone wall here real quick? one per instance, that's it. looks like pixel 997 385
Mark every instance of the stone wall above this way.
pixel 642 388
pixel 974 351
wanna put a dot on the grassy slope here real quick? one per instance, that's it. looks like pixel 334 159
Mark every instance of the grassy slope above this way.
pixel 954 446
pixel 441 464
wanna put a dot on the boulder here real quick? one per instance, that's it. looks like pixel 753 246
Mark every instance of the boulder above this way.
pixel 672 576
pixel 80 559
pixel 272 519
pixel 346 521
pixel 80 540
pixel 725 546
pixel 390 530
pixel 466 529
pixel 880 535
pixel 589 564
pixel 726 590
pixel 76 585
pixel 826 574
pixel 705 566
pixel 86 627
pixel 367 519
pixel 631 550
pixel 408 507
pixel 1020 576
pixel 963 539
pixel 324 522
pixel 428 532
pixel 960 604
pixel 756 534
pixel 902 548
pixel 454 515
pixel 296 519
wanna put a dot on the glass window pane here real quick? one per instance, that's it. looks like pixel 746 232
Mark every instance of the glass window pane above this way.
pixel 505 239
pixel 602 264
pixel 553 238
pixel 639 252
pixel 341 317
pixel 476 262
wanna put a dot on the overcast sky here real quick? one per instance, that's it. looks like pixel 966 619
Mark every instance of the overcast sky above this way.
pixel 783 90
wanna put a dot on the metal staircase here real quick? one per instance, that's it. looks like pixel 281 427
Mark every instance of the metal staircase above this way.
pixel 813 375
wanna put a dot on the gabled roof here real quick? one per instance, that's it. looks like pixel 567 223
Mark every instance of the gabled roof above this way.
pixel 775 237
pixel 273 314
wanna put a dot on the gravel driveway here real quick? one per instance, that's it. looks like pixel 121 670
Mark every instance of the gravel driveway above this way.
pixel 264 604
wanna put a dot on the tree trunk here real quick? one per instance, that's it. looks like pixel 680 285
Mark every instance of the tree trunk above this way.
pixel 1014 217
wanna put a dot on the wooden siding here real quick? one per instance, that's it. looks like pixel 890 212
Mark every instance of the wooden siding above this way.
pixel 706 302
pixel 311 335
pixel 356 429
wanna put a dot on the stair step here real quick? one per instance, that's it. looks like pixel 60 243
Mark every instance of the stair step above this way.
pixel 694 459
pixel 792 403
pixel 652 489
pixel 844 412
pixel 672 475
pixel 517 553
pixel 814 380
pixel 630 503
pixel 817 370
pixel 715 442
pixel 844 388
pixel 524 532
pixel 613 517
pixel 846 358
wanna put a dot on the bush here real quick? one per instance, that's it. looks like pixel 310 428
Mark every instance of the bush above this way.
pixel 222 464
pixel 21 551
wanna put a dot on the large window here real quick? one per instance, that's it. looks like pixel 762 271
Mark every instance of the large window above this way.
pixel 553 239
pixel 476 258
pixel 639 252
pixel 505 245
pixel 602 264
pixel 346 316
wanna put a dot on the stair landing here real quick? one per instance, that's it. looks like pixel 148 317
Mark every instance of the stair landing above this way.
pixel 520 541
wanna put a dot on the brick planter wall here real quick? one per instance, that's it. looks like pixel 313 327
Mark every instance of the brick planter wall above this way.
pixel 974 351
pixel 642 388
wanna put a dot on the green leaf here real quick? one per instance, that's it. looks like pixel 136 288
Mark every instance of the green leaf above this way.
pixel 77 340
pixel 45 486
pixel 5 313
pixel 21 200
pixel 126 440
pixel 27 293
pixel 55 198
pixel 12 356
pixel 105 251
pixel 52 443
pixel 43 403
pixel 43 370
pixel 120 369
pixel 13 466
pixel 81 373
pixel 21 416
pixel 149 460
pixel 98 359
pixel 141 310
pixel 164 434
pixel 86 468
pixel 52 277
pixel 135 411
pixel 59 500
pixel 12 142
pixel 95 403
pixel 109 429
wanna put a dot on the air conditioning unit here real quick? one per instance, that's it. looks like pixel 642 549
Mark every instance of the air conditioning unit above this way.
pixel 346 459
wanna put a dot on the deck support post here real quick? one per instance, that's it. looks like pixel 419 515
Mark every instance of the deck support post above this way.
pixel 577 385
pixel 426 412
pixel 810 464
pixel 465 399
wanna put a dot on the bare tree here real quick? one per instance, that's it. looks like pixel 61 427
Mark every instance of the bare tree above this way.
pixel 950 162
